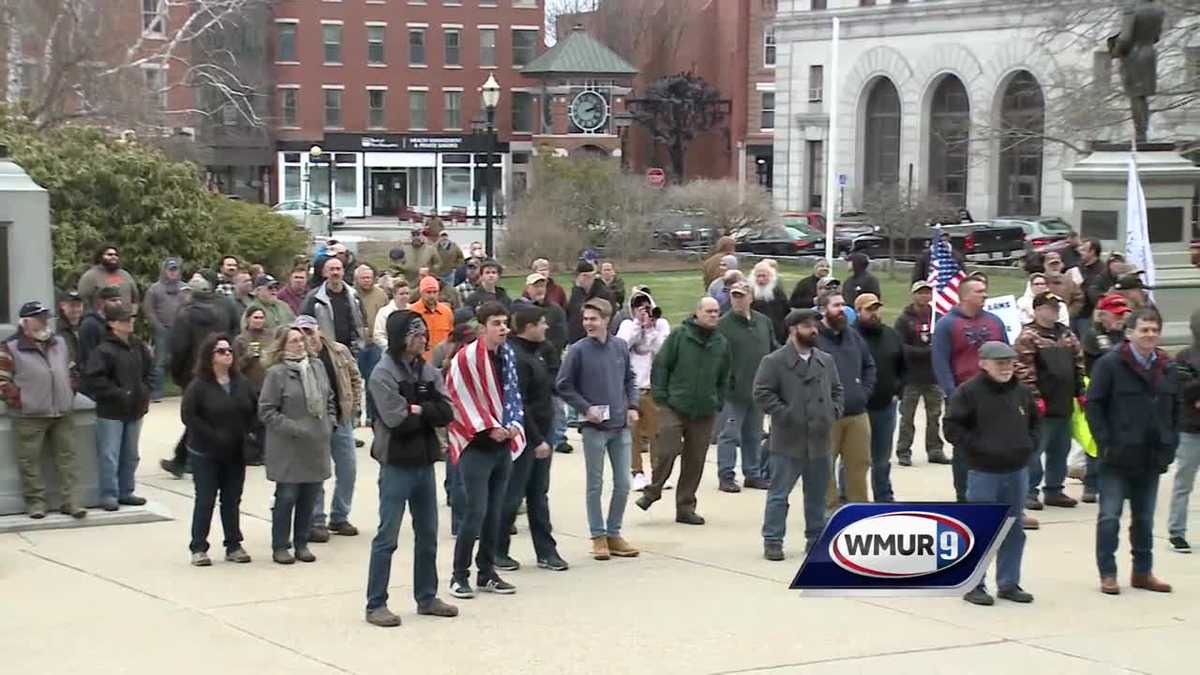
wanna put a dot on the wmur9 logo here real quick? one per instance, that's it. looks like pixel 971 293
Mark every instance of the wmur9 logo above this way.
pixel 904 549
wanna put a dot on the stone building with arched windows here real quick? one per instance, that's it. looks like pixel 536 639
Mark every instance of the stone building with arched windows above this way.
pixel 957 92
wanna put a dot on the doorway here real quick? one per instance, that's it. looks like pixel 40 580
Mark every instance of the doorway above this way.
pixel 389 193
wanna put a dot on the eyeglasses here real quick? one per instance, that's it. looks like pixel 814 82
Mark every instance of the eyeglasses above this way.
pixel 222 351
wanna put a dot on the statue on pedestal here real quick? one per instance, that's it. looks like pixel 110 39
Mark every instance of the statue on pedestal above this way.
pixel 1141 27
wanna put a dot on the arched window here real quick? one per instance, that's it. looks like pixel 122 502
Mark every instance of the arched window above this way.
pixel 882 137
pixel 949 137
pixel 1022 120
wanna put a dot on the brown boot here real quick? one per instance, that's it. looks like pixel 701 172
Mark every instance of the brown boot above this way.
pixel 621 548
pixel 1149 582
pixel 1109 586
pixel 600 548
pixel 1030 523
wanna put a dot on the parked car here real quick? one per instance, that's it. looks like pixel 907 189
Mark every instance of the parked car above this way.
pixel 1042 235
pixel 977 242
pixel 299 210
pixel 779 240
pixel 684 230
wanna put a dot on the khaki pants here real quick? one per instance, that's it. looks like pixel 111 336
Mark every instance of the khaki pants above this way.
pixel 851 440
pixel 36 435
pixel 645 430
pixel 687 439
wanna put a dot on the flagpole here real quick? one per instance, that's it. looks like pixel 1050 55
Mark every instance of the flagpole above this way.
pixel 831 149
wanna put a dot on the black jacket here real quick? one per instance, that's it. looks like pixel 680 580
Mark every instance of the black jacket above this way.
pixel 775 309
pixel 481 296
pixel 804 295
pixel 1097 342
pixel 995 424
pixel 217 421
pixel 916 334
pixel 556 335
pixel 92 329
pixel 198 319
pixel 1188 363
pixel 1089 274
pixel 117 378
pixel 414 442
pixel 857 284
pixel 888 352
pixel 537 389
pixel 1134 413
pixel 575 308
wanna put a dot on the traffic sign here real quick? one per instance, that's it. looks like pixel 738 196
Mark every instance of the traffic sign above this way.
pixel 656 177
pixel 843 180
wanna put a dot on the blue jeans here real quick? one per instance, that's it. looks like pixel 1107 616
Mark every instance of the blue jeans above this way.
pixel 368 358
pixel 1187 461
pixel 883 426
pixel 211 478
pixel 117 456
pixel 1003 488
pixel 1091 479
pixel 1141 489
pixel 484 475
pixel 558 432
pixel 456 495
pixel 785 471
pixel 345 472
pixel 162 357
pixel 741 425
pixel 415 487
pixel 616 444
pixel 1055 444
pixel 294 505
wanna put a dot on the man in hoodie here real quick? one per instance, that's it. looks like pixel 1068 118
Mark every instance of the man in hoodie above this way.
pixel 644 332
pixel 722 281
pixel 860 280
pixel 887 351
pixel 689 381
pixel 266 298
pixel 70 313
pixel 162 303
pixel 804 295
pixel 1187 455
pixel 851 434
pixel 93 327
pixel 915 326
pixel 106 272
pixel 711 268
pixel 587 287
pixel 337 309
pixel 751 337
pixel 769 298
pixel 1050 363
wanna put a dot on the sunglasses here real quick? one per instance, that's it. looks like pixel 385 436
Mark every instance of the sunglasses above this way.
pixel 222 351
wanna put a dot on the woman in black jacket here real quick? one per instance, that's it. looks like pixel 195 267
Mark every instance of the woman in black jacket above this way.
pixel 219 408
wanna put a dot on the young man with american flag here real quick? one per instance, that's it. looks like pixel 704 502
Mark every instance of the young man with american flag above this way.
pixel 487 434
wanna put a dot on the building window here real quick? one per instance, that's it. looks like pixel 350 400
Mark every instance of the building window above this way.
pixel 452 107
pixel 452 38
pixel 416 46
pixel 487 47
pixel 522 112
pixel 882 144
pixel 286 41
pixel 949 140
pixel 154 17
pixel 524 46
pixel 331 38
pixel 1022 120
pixel 376 112
pixel 816 174
pixel 333 108
pixel 816 83
pixel 289 100
pixel 375 52
pixel 767 121
pixel 818 4
pixel 156 85
pixel 769 46
pixel 416 109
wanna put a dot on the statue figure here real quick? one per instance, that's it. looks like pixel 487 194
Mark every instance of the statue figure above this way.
pixel 1141 27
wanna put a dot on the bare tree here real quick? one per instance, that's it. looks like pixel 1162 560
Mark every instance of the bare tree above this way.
pixel 903 216
pixel 722 200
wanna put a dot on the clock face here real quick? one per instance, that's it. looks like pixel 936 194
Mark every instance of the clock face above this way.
pixel 589 111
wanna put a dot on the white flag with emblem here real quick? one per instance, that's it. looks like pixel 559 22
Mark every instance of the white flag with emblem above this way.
pixel 1137 233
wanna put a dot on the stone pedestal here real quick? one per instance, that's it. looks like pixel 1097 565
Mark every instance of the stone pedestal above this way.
pixel 1099 182
pixel 84 422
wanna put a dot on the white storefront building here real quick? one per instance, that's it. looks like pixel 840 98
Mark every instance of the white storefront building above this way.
pixel 924 87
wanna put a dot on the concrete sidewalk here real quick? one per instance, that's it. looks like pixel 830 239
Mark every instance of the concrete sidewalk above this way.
pixel 698 600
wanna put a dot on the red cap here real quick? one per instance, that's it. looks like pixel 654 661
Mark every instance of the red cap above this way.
pixel 1113 302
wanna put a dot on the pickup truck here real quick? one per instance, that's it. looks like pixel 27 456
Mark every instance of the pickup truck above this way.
pixel 977 242
pixel 684 230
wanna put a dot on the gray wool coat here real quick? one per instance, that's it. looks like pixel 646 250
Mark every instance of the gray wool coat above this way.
pixel 802 399
pixel 297 444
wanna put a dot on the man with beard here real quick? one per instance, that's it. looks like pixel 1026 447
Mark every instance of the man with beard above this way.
pixel 587 287
pixel 450 255
pixel 226 270
pixel 418 255
pixel 888 353
pixel 70 313
pixel 107 271
pixel 798 386
pixel 751 337
pixel 1062 285
pixel 93 327
pixel 275 311
pixel 860 280
pixel 163 301
pixel 1090 266
pixel 915 327
pixel 470 283
pixel 769 298
pixel 296 290
pixel 851 433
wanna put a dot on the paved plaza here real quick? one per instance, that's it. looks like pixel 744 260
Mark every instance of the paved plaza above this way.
pixel 699 599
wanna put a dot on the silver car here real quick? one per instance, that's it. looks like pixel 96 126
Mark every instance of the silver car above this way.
pixel 299 211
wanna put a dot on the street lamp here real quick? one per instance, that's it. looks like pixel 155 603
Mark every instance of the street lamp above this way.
pixel 491 98
pixel 315 154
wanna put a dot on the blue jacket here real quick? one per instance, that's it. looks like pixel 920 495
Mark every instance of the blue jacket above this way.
pixel 855 366
pixel 596 373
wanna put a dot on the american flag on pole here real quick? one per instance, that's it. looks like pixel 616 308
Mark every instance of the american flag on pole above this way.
pixel 481 402
pixel 945 274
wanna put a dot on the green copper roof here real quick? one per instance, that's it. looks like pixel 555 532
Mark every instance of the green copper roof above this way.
pixel 579 53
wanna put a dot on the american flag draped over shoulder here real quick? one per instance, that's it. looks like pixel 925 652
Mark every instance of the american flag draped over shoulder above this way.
pixel 945 274
pixel 479 401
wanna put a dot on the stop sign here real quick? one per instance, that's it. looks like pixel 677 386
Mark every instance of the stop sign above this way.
pixel 656 177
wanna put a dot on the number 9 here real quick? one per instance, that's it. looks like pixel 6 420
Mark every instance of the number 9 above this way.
pixel 948 545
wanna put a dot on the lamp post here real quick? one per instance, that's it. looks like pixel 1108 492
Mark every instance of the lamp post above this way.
pixel 318 156
pixel 491 98
pixel 623 120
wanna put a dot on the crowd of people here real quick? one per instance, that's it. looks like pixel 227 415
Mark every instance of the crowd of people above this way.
pixel 443 364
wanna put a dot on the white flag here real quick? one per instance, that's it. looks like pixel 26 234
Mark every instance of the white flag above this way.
pixel 1137 234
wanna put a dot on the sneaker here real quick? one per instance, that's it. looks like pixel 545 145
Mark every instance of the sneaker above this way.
pixel 305 555
pixel 564 447
pixel 343 529
pixel 1033 504
pixel 978 596
pixel 1088 497
pixel 171 467
pixel 382 617
pixel 1180 545
pixel 640 482
pixel 201 559
pixel 461 588
pixel 37 514
pixel 495 585
pixel 773 550
pixel 644 502
pixel 728 485
pixel 1030 523
pixel 358 442
pixel 438 608
pixel 553 562
pixel 319 534
pixel 1015 594
pixel 283 557
pixel 132 500
pixel 756 484
pixel 237 555
pixel 689 518
pixel 904 460
pixel 617 546
pixel 1060 500
pixel 507 564
pixel 600 548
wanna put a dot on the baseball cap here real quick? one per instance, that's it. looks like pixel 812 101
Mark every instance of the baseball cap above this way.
pixel 493 263
pixel 740 288
pixel 70 296
pixel 801 315
pixel 171 263
pixel 428 284
pixel 109 292
pixel 919 285
pixel 533 278
pixel 1113 302
pixel 1129 282
pixel 865 300
pixel 600 305
pixel 265 280
pixel 1045 299
pixel 117 313
pixel 996 350
pixel 33 308
pixel 306 322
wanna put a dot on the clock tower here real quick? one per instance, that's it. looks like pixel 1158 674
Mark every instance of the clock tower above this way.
pixel 583 87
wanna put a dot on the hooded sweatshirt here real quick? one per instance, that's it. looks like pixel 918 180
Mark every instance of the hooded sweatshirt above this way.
pixel 1189 372
pixel 712 266
pixel 643 342
pixel 163 301
pixel 201 317
pixel 861 281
